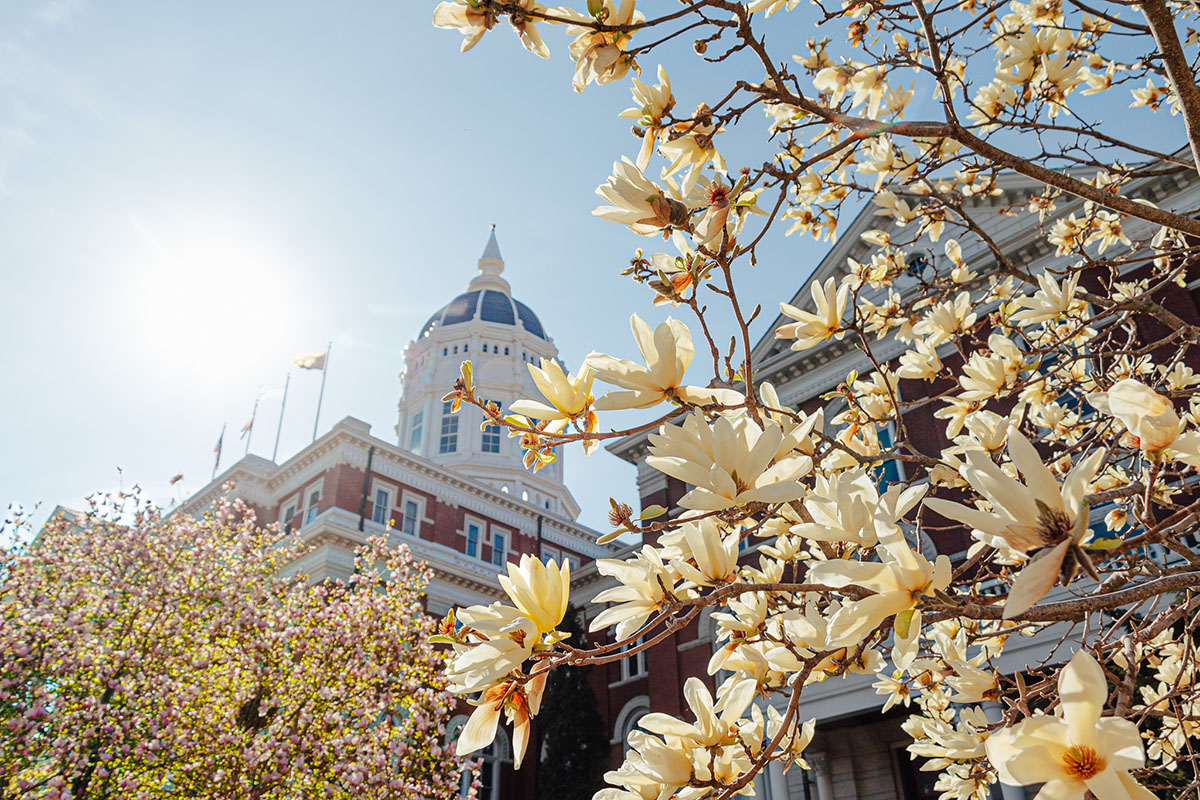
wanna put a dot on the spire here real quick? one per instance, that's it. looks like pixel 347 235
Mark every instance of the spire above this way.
pixel 492 251
pixel 491 264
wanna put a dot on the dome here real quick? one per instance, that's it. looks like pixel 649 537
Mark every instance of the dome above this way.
pixel 488 305
pixel 487 299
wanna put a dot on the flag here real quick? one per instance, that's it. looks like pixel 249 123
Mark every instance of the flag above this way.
pixel 177 478
pixel 309 360
pixel 246 428
pixel 217 451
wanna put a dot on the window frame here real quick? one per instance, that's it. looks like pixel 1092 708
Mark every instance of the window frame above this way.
pixel 291 504
pixel 448 432
pixel 407 497
pixel 416 433
pixel 389 491
pixel 480 535
pixel 311 509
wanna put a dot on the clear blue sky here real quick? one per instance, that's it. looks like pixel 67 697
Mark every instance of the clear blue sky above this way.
pixel 190 193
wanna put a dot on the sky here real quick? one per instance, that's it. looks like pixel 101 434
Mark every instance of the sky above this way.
pixel 191 193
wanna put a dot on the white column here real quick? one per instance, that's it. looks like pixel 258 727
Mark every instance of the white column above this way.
pixel 776 781
pixel 820 771
pixel 994 713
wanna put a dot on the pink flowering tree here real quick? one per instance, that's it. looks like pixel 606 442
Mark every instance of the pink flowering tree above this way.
pixel 152 656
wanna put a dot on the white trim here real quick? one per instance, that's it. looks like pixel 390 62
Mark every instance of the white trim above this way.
pixel 639 703
pixel 376 487
pixel 318 486
pixel 407 497
pixel 481 524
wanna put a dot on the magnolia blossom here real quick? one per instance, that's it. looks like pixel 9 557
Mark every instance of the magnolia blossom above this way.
pixel 466 18
pixel 667 351
pixel 520 705
pixel 810 328
pixel 652 103
pixel 600 55
pixel 569 395
pixel 635 201
pixel 728 462
pixel 646 583
pixel 1150 419
pixel 1076 751
pixel 539 590
pixel 898 581
pixel 1036 515
pixel 1052 300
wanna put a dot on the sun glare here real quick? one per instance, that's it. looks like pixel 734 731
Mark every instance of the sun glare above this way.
pixel 206 292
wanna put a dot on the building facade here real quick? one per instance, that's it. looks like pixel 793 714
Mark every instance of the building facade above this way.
pixel 457 496
pixel 859 753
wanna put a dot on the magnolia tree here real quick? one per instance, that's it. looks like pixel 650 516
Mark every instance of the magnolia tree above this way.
pixel 152 657
pixel 1063 388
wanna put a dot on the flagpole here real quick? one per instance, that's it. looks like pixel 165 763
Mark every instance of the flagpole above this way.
pixel 250 433
pixel 283 405
pixel 321 396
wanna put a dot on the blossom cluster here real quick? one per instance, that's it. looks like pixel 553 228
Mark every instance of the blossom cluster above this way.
pixel 1023 378
pixel 156 657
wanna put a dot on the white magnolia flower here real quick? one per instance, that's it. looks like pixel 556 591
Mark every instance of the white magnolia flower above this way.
pixel 540 591
pixel 646 586
pixel 667 351
pixel 500 640
pixel 636 201
pixel 600 55
pixel 1150 418
pixel 568 394
pixel 652 103
pixel 1036 515
pixel 810 328
pixel 1076 751
pixel 728 462
pixel 1050 301
pixel 898 581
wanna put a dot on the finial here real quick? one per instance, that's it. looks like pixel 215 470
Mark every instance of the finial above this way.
pixel 491 264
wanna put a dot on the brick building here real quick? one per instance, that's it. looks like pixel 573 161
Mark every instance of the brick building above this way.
pixel 858 753
pixel 456 495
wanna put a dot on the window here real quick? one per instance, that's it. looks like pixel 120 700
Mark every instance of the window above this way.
pixel 491 757
pixel 485 347
pixel 491 437
pixel 455 349
pixel 412 517
pixel 382 512
pixel 314 499
pixel 635 666
pixel 506 351
pixel 498 554
pixel 549 552
pixel 414 438
pixel 288 516
pixel 445 351
pixel 890 471
pixel 448 442
pixel 467 347
pixel 473 539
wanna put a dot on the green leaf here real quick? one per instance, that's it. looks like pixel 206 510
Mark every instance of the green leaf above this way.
pixel 441 638
pixel 1107 543
pixel 652 512
pixel 903 622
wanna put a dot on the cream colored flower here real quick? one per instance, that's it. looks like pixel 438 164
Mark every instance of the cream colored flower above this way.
pixel 600 55
pixel 713 550
pixel 667 351
pixel 646 586
pixel 810 328
pixel 569 395
pixel 1149 416
pixel 1052 300
pixel 499 640
pixel 1077 750
pixel 463 16
pixel 728 462
pixel 946 320
pixel 1037 515
pixel 898 581
pixel 652 103
pixel 520 705
pixel 539 590
pixel 635 201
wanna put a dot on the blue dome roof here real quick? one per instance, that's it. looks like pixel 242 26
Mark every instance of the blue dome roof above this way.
pixel 489 306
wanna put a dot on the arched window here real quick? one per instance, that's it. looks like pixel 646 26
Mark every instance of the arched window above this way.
pixel 628 719
pixel 491 758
